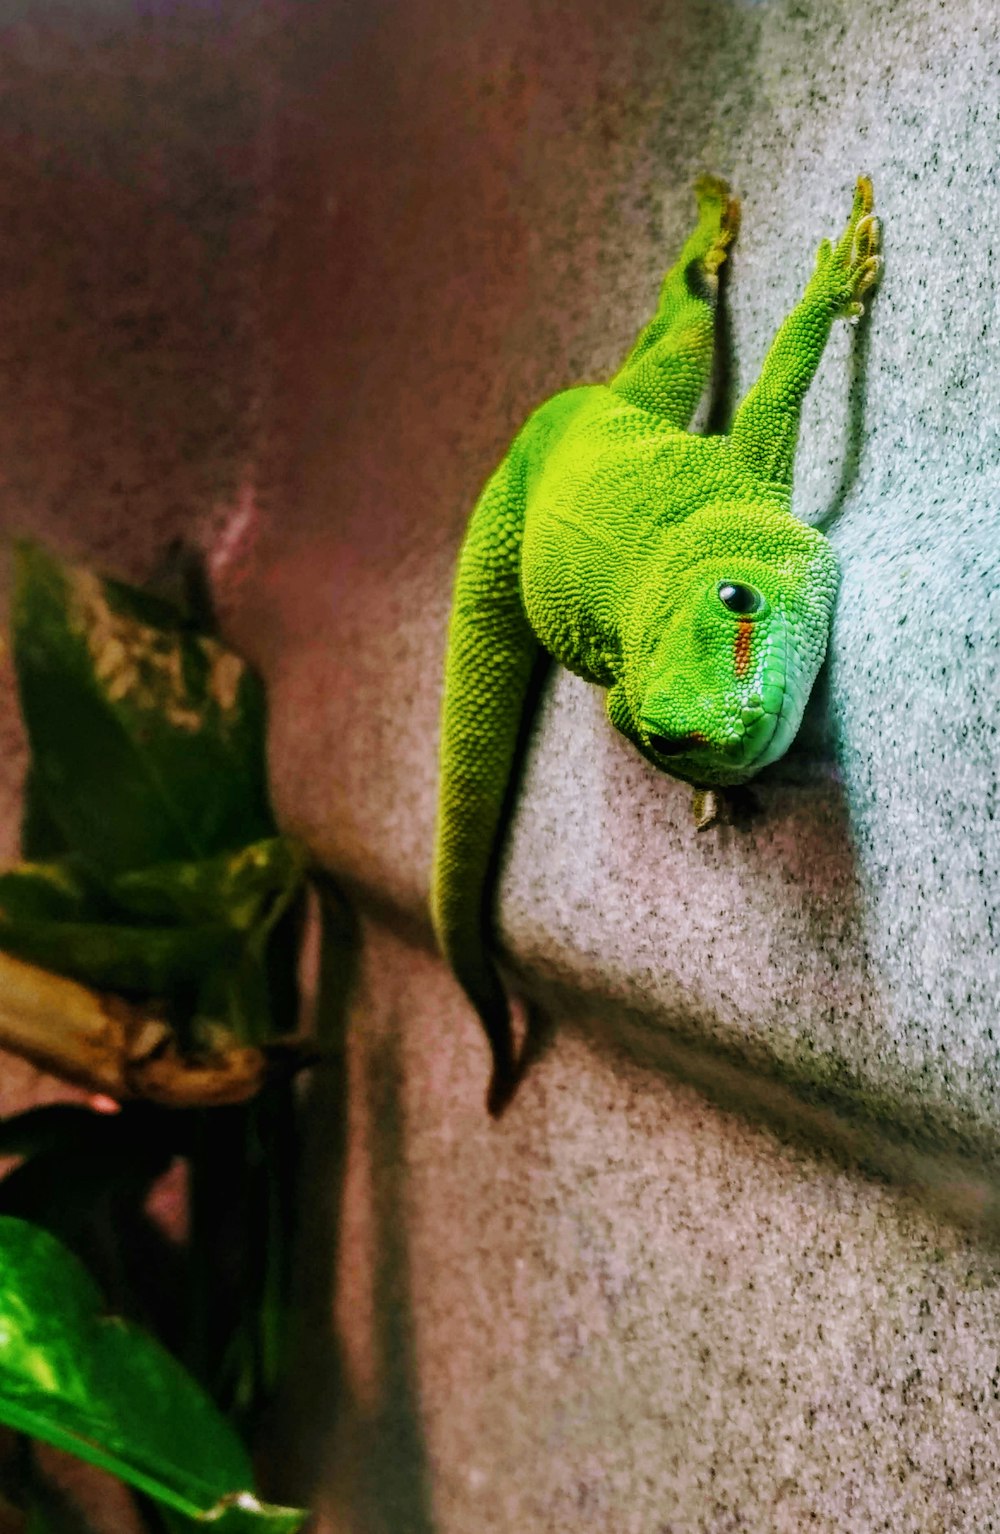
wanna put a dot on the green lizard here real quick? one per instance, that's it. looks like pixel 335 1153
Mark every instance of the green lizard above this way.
pixel 664 566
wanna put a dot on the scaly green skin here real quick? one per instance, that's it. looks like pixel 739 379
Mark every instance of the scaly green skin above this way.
pixel 619 543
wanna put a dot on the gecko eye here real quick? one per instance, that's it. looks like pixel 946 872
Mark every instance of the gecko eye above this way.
pixel 741 600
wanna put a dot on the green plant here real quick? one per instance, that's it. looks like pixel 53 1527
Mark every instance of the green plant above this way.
pixel 153 870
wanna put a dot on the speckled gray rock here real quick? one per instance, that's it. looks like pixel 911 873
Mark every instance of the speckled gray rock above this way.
pixel 289 282
pixel 622 1310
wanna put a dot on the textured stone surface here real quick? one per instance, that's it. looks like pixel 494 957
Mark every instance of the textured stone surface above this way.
pixel 622 1309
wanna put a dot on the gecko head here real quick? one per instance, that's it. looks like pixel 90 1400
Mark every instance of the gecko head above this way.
pixel 727 639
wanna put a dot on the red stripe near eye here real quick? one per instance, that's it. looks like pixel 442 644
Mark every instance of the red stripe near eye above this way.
pixel 741 649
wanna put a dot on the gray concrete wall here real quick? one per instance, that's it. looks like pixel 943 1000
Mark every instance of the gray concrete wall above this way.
pixel 288 280
pixel 624 1308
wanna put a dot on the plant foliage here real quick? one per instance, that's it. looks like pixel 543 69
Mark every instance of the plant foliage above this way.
pixel 152 868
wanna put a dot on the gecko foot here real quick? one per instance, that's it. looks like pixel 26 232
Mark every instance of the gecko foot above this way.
pixel 733 806
pixel 845 272
pixel 718 223
pixel 705 808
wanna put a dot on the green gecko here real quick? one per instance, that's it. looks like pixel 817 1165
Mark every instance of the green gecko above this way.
pixel 664 566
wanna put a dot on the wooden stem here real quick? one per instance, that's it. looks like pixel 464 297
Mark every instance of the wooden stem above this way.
pixel 110 1046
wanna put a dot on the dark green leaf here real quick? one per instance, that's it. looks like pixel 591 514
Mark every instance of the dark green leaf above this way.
pixel 107 1392
pixel 46 892
pixel 39 1522
pixel 42 1519
pixel 41 837
pixel 147 739
pixel 142 961
pixel 233 889
pixel 255 997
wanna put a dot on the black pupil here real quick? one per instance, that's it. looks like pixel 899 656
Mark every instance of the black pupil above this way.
pixel 739 599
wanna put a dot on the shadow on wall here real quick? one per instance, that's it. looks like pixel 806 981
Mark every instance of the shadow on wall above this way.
pixel 377 1476
pixel 393 1490
pixel 858 384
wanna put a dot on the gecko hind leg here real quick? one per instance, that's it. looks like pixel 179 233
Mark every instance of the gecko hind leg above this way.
pixel 671 362
pixel 766 425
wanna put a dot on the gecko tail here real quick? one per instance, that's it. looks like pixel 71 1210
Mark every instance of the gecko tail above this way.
pixel 507 1065
pixel 492 660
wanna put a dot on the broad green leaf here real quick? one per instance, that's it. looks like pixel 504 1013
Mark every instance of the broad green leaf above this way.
pixel 104 1390
pixel 147 739
pixel 233 889
pixel 41 838
pixel 213 921
pixel 256 997
pixel 45 892
pixel 142 961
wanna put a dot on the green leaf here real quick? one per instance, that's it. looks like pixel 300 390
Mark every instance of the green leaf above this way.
pixel 234 889
pixel 141 961
pixel 45 892
pixel 180 581
pixel 41 838
pixel 39 1522
pixel 213 918
pixel 104 1390
pixel 147 739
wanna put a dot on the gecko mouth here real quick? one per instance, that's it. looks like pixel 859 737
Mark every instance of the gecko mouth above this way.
pixel 766 726
pixel 667 745
pixel 753 748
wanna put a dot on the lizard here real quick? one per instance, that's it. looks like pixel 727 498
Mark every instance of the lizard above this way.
pixel 664 566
